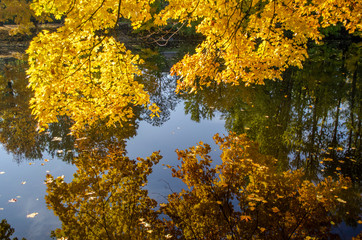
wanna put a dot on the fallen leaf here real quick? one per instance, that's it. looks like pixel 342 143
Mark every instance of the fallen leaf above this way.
pixel 275 209
pixel 341 200
pixel 13 200
pixel 57 139
pixel 23 182
pixel 32 215
pixel 245 217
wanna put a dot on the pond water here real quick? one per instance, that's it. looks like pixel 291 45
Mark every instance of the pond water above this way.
pixel 314 114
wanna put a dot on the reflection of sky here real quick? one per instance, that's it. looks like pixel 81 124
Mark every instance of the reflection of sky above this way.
pixel 31 195
pixel 180 132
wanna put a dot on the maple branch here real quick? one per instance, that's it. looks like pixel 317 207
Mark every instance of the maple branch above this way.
pixel 118 13
pixel 91 16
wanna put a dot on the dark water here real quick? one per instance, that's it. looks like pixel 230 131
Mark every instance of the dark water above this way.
pixel 314 114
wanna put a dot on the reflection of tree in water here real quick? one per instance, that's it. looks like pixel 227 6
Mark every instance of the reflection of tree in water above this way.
pixel 160 86
pixel 296 120
pixel 19 134
pixel 18 128
pixel 106 199
pixel 244 197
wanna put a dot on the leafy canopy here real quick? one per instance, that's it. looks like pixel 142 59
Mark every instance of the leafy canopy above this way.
pixel 84 72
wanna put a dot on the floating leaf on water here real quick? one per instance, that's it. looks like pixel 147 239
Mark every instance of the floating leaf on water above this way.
pixel 32 215
pixel 31 163
pixel 23 182
pixel 245 217
pixel 46 160
pixel 275 209
pixel 13 200
pixel 56 139
pixel 42 164
pixel 341 200
pixel 82 138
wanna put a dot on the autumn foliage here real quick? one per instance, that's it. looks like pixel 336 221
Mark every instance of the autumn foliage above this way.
pixel 243 196
pixel 246 197
pixel 84 72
